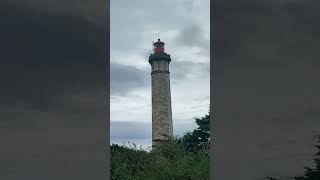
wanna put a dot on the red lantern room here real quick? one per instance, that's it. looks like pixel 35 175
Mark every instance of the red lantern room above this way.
pixel 158 47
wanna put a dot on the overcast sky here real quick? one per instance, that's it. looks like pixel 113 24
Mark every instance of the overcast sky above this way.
pixel 184 25
pixel 53 82
pixel 53 89
pixel 266 87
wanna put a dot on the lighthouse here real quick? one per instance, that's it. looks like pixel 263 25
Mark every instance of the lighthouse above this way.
pixel 162 129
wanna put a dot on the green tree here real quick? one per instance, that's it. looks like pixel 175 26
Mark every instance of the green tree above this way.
pixel 127 162
pixel 199 137
pixel 171 161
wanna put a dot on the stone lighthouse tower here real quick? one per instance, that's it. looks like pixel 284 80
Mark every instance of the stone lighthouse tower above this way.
pixel 161 96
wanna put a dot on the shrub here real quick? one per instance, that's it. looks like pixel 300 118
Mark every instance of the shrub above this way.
pixel 182 158
pixel 169 162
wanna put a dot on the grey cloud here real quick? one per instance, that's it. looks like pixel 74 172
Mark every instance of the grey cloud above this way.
pixel 182 69
pixel 95 11
pixel 45 54
pixel 188 5
pixel 281 28
pixel 192 35
pixel 53 103
pixel 125 78
pixel 137 24
pixel 140 17
pixel 127 130
pixel 265 92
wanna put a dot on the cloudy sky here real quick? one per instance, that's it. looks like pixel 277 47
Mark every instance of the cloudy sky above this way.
pixel 53 89
pixel 266 87
pixel 184 25
pixel 54 66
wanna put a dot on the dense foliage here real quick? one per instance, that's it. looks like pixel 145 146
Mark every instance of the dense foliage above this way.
pixel 310 173
pixel 183 158
pixel 195 140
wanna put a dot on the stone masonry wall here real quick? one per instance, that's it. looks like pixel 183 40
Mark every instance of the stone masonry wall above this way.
pixel 161 102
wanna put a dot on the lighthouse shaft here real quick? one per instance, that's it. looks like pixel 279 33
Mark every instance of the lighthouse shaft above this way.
pixel 162 129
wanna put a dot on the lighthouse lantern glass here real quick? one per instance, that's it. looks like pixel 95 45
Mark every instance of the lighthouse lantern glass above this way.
pixel 158 47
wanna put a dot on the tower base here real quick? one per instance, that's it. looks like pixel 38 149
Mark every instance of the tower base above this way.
pixel 158 143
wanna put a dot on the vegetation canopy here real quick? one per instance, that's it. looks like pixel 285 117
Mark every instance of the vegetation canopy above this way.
pixel 183 158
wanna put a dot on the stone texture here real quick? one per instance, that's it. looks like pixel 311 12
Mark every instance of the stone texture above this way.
pixel 162 129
